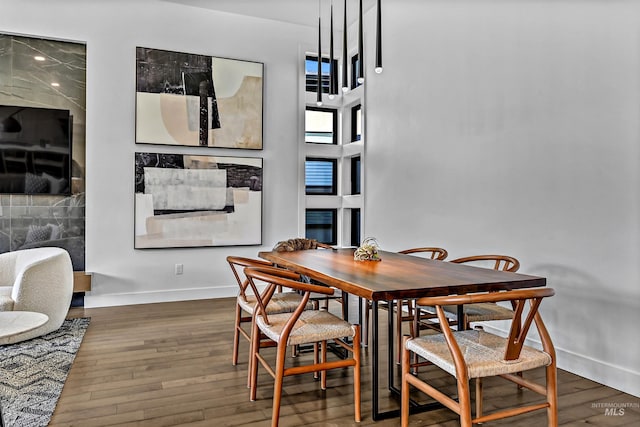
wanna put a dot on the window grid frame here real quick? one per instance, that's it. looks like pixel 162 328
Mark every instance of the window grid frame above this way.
pixel 334 176
pixel 334 113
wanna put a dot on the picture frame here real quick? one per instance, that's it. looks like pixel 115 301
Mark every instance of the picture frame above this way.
pixel 185 200
pixel 198 100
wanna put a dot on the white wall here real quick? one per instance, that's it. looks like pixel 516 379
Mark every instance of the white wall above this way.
pixel 513 128
pixel 112 30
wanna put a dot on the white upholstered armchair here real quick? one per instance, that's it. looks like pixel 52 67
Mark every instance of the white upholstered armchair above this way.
pixel 39 280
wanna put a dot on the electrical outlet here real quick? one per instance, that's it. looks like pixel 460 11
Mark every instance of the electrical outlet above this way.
pixel 179 268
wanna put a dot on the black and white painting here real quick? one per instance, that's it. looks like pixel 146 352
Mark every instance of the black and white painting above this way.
pixel 198 100
pixel 194 201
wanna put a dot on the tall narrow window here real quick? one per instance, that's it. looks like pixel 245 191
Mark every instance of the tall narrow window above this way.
pixel 322 225
pixel 356 123
pixel 355 175
pixel 320 176
pixel 311 73
pixel 355 68
pixel 355 227
pixel 320 125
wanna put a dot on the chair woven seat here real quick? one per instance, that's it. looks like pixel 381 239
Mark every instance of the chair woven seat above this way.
pixel 483 353
pixel 281 302
pixel 312 326
pixel 481 312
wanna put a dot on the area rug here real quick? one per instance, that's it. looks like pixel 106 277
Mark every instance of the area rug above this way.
pixel 33 372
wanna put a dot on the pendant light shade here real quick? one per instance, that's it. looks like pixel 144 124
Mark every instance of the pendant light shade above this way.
pixel 319 87
pixel 360 46
pixel 345 84
pixel 378 68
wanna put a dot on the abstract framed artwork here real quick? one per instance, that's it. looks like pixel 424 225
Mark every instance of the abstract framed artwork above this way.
pixel 196 201
pixel 198 100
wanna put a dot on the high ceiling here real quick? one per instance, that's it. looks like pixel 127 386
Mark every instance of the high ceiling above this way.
pixel 302 12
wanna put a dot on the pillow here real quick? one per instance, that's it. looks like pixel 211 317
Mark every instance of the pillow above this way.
pixel 56 185
pixel 35 184
pixel 38 233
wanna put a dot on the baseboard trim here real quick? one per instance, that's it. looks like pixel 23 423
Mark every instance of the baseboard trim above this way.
pixel 172 295
pixel 617 377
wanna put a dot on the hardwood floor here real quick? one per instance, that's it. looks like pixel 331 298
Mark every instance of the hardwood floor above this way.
pixel 170 364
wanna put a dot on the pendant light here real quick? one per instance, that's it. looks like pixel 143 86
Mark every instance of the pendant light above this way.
pixel 345 84
pixel 360 47
pixel 378 68
pixel 319 87
pixel 333 84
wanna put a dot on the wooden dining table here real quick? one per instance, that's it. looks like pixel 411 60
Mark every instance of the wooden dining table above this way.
pixel 396 276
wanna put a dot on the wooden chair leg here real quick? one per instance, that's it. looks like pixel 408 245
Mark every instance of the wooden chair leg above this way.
pixel 315 359
pixel 356 375
pixel 277 386
pixel 478 397
pixel 253 365
pixel 520 374
pixel 236 335
pixel 404 408
pixel 552 394
pixel 464 403
pixel 323 358
pixel 253 330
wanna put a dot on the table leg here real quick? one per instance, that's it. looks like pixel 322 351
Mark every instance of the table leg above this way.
pixel 415 407
pixel 345 305
pixel 360 314
pixel 376 414
pixel 461 323
pixel 374 361
pixel 390 344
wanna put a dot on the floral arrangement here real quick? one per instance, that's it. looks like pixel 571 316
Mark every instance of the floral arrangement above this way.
pixel 367 251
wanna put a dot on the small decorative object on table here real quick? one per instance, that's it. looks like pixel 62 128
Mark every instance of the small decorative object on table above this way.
pixel 368 250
